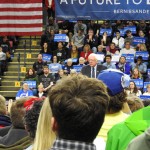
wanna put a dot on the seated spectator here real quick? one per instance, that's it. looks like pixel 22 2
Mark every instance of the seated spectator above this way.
pixel 38 65
pixel 136 74
pixel 68 66
pixel 108 62
pixel 3 63
pixel 78 40
pixel 92 40
pixel 61 74
pixel 140 142
pixel 123 66
pixel 4 119
pixel 17 137
pixel 147 90
pixel 86 52
pixel 118 40
pixel 24 91
pixel 54 67
pixel 31 118
pixel 135 103
pixel 112 78
pixel 141 47
pixel 75 125
pixel 40 92
pixel 81 61
pixel 100 50
pixel 127 49
pixel 133 90
pixel 60 53
pixel 46 49
pixel 47 79
pixel 104 40
pixel 80 25
pixel 111 49
pixel 129 37
pixel 74 52
pixel 140 65
pixel 73 72
pixel 133 126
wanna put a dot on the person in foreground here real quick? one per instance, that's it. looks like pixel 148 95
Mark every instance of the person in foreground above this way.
pixel 78 107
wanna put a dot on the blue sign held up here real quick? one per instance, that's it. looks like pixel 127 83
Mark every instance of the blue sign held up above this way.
pixel 138 82
pixel 131 28
pixel 129 57
pixel 77 68
pixel 138 40
pixel 109 31
pixel 144 54
pixel 31 84
pixel 145 85
pixel 60 38
pixel 46 57
pixel 143 97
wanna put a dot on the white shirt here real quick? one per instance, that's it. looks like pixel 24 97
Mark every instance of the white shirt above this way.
pixel 127 51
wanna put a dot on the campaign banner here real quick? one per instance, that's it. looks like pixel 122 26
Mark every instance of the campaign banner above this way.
pixel 148 71
pixel 74 60
pixel 46 57
pixel 100 57
pixel 60 38
pixel 102 9
pixel 145 85
pixel 129 57
pixel 144 54
pixel 144 97
pixel 31 84
pixel 138 82
pixel 109 31
pixel 77 68
pixel 138 40
pixel 115 58
pixel 131 28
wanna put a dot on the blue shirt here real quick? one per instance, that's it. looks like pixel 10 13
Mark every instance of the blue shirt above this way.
pixel 55 67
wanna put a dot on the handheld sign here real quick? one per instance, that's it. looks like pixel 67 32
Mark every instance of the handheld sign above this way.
pixel 31 84
pixel 138 40
pixel 131 28
pixel 77 68
pixel 145 85
pixel 143 97
pixel 144 54
pixel 46 57
pixel 60 38
pixel 129 57
pixel 109 31
pixel 138 82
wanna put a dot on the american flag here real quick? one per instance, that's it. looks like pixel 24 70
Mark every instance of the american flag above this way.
pixel 21 17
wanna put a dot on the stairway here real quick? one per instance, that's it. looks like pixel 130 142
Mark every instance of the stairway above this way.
pixel 10 81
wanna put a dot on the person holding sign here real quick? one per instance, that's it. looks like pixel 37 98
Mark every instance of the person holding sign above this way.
pixel 129 37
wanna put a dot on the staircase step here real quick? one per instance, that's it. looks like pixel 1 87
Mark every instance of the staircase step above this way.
pixel 27 59
pixel 9 88
pixel 21 63
pixel 9 93
pixel 33 54
pixel 28 50
pixel 14 73
pixel 28 46
pixel 9 83
pixel 28 37
pixel 12 78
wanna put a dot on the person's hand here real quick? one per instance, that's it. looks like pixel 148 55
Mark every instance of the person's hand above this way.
pixel 10 102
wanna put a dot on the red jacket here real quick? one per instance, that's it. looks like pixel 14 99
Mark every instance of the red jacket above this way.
pixel 85 55
pixel 47 4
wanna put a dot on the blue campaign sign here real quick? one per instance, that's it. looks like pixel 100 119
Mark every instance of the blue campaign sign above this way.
pixel 31 84
pixel 144 54
pixel 143 97
pixel 131 28
pixel 109 31
pixel 74 60
pixel 60 38
pixel 129 57
pixel 138 82
pixel 138 40
pixel 102 9
pixel 77 68
pixel 148 71
pixel 46 57
pixel 145 85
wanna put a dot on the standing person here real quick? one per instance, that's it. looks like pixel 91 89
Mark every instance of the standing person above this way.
pixel 83 114
pixel 93 69
pixel 38 65
pixel 80 25
pixel 46 79
pixel 50 5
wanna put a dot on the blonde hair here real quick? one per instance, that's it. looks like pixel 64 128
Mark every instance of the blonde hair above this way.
pixel 2 105
pixel 44 135
pixel 142 44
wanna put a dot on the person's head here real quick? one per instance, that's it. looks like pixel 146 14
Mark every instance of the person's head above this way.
pixel 115 81
pixel 40 57
pixel 78 113
pixel 141 33
pixel 122 60
pixel 86 48
pixel 54 59
pixel 30 72
pixel 45 69
pixel 132 85
pixel 69 62
pixel 139 59
pixel 142 47
pixel 92 59
pixel 129 33
pixel 52 32
pixel 117 33
pixel 79 22
pixel 105 34
pixel 31 118
pixel 25 86
pixel 81 60
pixel 108 58
pixel 60 45
pixel 45 45
pixel 61 72
pixel 127 45
pixel 90 32
pixel 3 109
pixel 17 112
pixel 74 49
pixel 100 48
pixel 40 88
pixel 135 103
pixel 136 73
pixel 73 72
pixel 148 88
pixel 112 45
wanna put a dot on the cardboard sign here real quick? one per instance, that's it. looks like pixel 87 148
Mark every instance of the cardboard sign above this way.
pixel 17 84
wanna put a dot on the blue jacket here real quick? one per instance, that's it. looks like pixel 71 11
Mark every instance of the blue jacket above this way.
pixel 22 93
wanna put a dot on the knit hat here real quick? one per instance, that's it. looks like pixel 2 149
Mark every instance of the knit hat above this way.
pixel 115 80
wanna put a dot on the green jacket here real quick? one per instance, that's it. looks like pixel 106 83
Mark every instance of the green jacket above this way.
pixel 121 134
